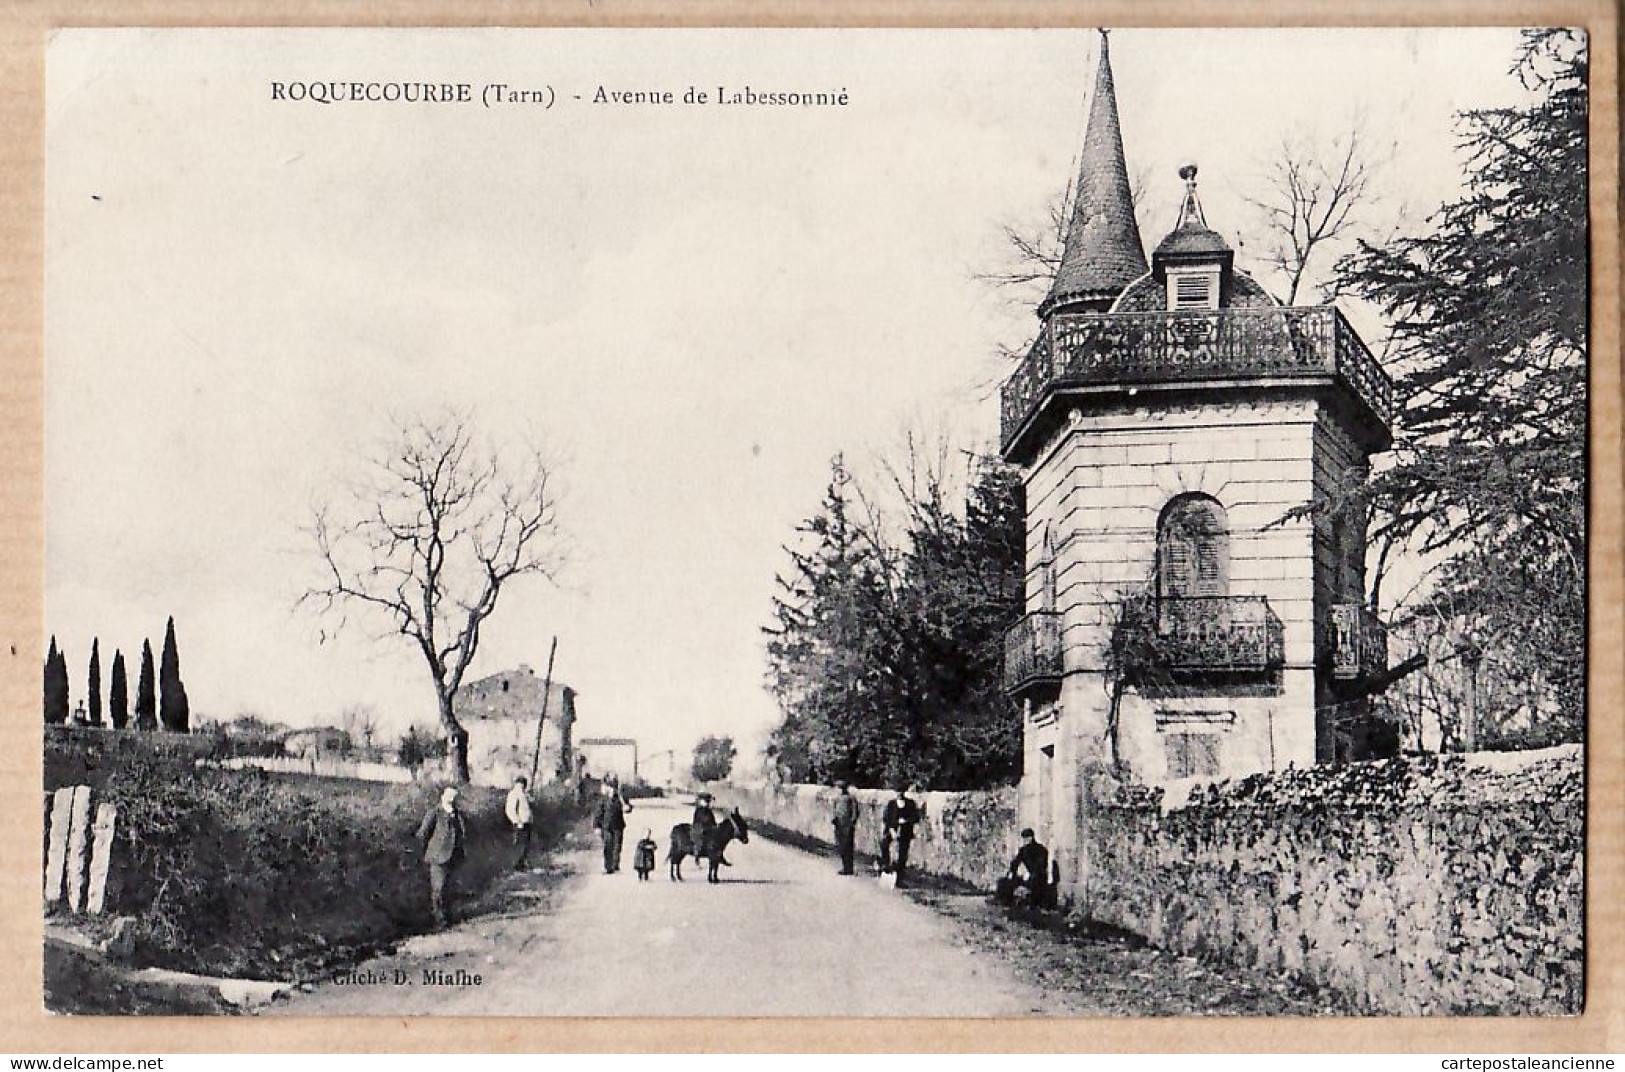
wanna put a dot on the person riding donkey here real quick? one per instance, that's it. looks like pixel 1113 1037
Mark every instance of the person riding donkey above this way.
pixel 705 821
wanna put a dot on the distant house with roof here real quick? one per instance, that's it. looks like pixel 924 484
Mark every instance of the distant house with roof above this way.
pixel 501 712
pixel 603 756
pixel 317 741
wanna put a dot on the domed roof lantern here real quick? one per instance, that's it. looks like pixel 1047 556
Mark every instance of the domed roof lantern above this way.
pixel 1193 260
pixel 1191 234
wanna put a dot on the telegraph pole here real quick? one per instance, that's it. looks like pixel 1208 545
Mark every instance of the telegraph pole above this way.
pixel 547 694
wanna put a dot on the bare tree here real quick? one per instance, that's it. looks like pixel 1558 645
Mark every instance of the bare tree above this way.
pixel 1032 251
pixel 1314 194
pixel 434 528
pixel 1033 248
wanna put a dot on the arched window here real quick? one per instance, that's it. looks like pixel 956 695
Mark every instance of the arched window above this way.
pixel 1193 548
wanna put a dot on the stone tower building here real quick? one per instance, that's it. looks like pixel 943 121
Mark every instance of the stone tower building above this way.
pixel 501 714
pixel 1183 622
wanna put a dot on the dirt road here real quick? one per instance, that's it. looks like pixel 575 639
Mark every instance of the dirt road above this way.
pixel 784 935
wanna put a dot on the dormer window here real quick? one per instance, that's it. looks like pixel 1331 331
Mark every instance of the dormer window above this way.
pixel 1193 262
pixel 1193 288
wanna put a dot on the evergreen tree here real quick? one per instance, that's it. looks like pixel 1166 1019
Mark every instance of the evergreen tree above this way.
pixel 118 694
pixel 173 710
pixel 56 686
pixel 886 663
pixel 828 649
pixel 146 703
pixel 961 591
pixel 1488 314
pixel 95 700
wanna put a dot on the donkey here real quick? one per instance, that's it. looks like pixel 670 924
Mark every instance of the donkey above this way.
pixel 716 844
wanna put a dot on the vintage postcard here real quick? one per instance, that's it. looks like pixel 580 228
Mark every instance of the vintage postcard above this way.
pixel 816 522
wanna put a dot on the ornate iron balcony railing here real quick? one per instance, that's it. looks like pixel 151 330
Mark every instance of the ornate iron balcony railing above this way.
pixel 1082 350
pixel 1032 652
pixel 1204 635
pixel 1359 642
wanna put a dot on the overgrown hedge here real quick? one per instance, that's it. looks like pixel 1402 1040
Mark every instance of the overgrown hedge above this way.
pixel 245 873
pixel 87 755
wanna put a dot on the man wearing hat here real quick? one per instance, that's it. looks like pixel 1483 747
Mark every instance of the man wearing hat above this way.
pixel 609 819
pixel 1029 871
pixel 898 821
pixel 846 826
pixel 442 834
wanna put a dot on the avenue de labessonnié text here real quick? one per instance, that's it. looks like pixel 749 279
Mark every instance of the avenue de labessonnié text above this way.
pixel 493 94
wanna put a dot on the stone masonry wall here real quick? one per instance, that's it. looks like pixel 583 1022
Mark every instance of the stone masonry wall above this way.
pixel 1450 885
pixel 966 836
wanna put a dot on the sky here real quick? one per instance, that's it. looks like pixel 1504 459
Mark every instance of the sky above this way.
pixel 694 307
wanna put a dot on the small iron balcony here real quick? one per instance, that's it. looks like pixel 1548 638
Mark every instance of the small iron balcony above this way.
pixel 1032 653
pixel 1358 643
pixel 1202 635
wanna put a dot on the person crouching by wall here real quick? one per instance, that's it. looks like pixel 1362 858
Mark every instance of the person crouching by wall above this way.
pixel 1029 875
pixel 443 836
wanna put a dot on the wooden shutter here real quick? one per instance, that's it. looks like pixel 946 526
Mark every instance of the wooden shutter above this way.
pixel 1192 755
pixel 1193 547
pixel 1178 564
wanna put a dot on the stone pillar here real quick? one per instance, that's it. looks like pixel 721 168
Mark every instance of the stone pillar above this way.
pixel 101 857
pixel 56 854
pixel 78 847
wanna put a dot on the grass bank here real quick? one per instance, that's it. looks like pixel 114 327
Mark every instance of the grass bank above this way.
pixel 249 874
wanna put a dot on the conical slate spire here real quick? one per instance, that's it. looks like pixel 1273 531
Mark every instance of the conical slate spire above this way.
pixel 1103 253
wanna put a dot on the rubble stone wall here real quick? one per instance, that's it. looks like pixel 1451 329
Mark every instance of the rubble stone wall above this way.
pixel 966 836
pixel 1446 885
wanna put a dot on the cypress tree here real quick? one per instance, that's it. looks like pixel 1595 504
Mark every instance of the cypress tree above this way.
pixel 118 694
pixel 95 704
pixel 146 704
pixel 172 706
pixel 50 665
pixel 56 686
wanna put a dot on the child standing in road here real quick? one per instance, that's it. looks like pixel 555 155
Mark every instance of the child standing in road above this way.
pixel 643 858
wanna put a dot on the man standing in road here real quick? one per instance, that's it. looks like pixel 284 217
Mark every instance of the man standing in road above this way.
pixel 899 820
pixel 846 826
pixel 610 821
pixel 519 817
pixel 443 835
